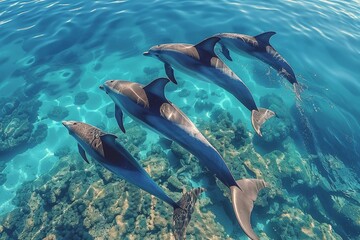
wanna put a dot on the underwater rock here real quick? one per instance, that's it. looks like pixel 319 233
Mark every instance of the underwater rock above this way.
pixel 50 237
pixel 62 152
pixel 87 201
pixel 9 107
pixel 202 94
pixel 180 153
pixel 202 105
pixel 58 113
pixel 81 98
pixel 184 93
pixel 39 134
pixel 15 133
pixel 50 79
pixel 110 111
pixel 277 129
pixel 156 164
pixel 223 133
pixel 292 223
pixel 174 182
pixel 17 120
pixel 349 211
pixel 151 72
pixel 135 134
pixel 266 76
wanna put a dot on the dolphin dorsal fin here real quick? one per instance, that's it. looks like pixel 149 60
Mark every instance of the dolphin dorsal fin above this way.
pixel 265 37
pixel 106 137
pixel 157 87
pixel 208 45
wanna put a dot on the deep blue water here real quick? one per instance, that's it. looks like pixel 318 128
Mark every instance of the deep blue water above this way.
pixel 50 51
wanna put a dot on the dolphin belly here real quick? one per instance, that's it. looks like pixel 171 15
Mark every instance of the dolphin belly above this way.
pixel 222 76
pixel 203 150
pixel 190 66
pixel 227 80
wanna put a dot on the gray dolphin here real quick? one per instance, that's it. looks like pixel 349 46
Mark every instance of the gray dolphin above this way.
pixel 201 62
pixel 148 105
pixel 259 47
pixel 113 156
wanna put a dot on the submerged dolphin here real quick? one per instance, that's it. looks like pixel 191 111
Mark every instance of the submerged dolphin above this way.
pixel 113 156
pixel 200 61
pixel 149 105
pixel 259 47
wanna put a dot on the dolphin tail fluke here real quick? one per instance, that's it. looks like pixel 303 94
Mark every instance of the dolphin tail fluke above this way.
pixel 243 202
pixel 259 117
pixel 182 213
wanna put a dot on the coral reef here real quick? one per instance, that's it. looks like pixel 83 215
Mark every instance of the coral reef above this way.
pixel 292 223
pixel 110 111
pixel 58 113
pixel 85 201
pixel 277 129
pixel 151 73
pixel 184 93
pixel 202 94
pixel 77 200
pixel 18 127
pixel 81 98
pixel 202 105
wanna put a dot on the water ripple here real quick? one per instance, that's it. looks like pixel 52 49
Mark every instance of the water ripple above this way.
pixel 64 44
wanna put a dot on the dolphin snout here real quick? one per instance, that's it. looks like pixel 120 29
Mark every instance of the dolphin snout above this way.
pixel 101 87
pixel 65 123
pixel 146 53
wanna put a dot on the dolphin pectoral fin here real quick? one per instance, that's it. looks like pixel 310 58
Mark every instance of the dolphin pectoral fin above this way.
pixel 225 52
pixel 243 202
pixel 107 137
pixel 82 153
pixel 208 45
pixel 265 37
pixel 259 117
pixel 182 212
pixel 157 87
pixel 119 118
pixel 170 72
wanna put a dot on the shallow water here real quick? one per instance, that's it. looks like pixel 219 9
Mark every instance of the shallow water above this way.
pixel 53 50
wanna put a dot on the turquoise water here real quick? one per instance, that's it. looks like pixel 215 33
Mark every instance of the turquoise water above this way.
pixel 55 54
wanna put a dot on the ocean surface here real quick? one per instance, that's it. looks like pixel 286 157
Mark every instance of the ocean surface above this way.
pixel 54 55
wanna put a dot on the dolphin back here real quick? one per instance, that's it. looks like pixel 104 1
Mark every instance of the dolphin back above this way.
pixel 243 202
pixel 120 162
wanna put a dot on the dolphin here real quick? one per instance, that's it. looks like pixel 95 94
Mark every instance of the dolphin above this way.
pixel 259 47
pixel 103 148
pixel 148 105
pixel 200 61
